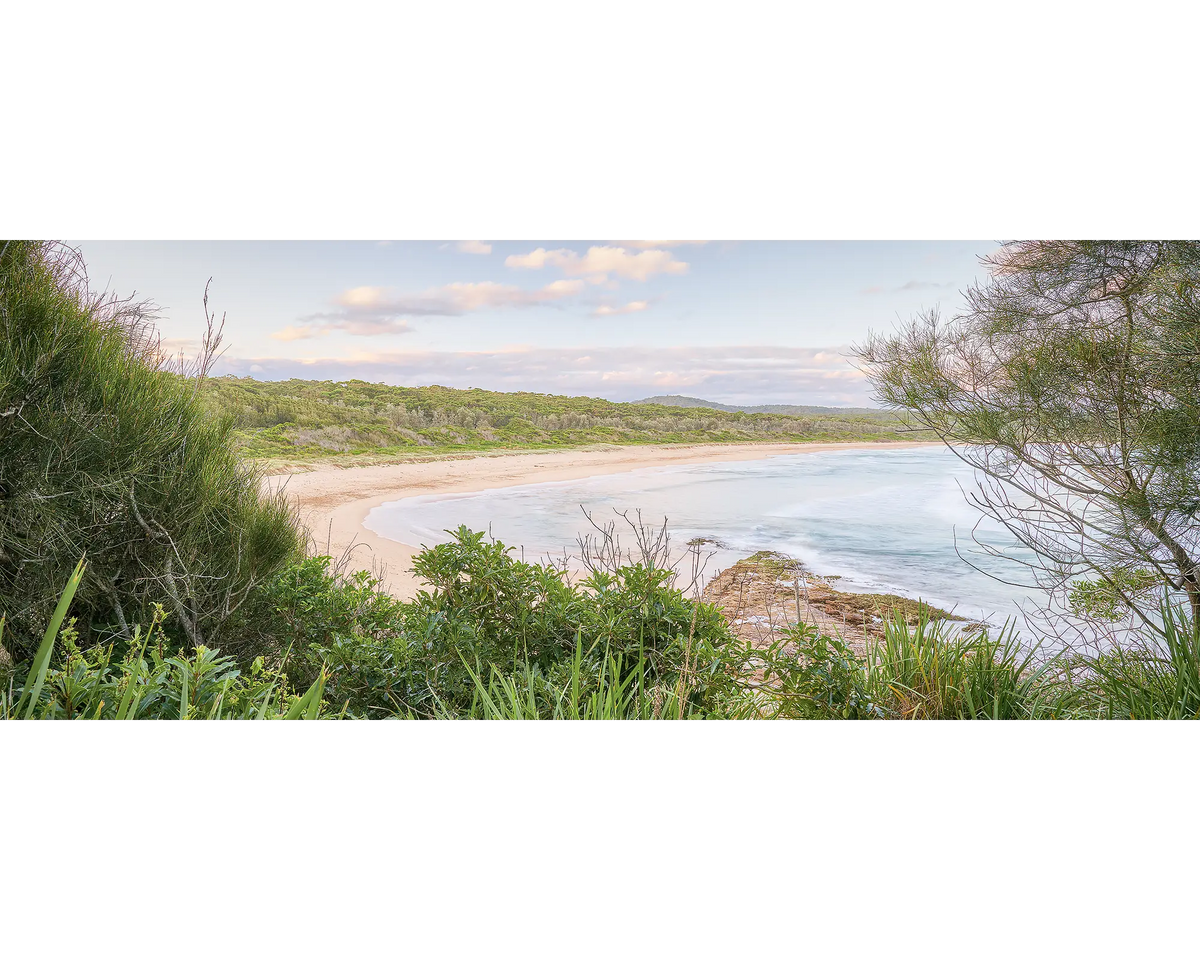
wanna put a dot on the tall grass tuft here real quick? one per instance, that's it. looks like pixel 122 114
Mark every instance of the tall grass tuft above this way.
pixel 922 672
pixel 1150 680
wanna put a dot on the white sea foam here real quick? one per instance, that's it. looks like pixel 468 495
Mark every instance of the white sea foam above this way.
pixel 885 521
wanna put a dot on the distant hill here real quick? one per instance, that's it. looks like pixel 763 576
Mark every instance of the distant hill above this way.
pixel 784 409
pixel 309 420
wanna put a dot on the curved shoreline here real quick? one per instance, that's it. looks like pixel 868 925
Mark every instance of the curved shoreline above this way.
pixel 334 501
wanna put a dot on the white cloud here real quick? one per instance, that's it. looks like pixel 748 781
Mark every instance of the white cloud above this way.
pixel 535 259
pixel 467 297
pixel 302 332
pixel 599 262
pixel 474 246
pixel 360 297
pixel 607 310
pixel 374 311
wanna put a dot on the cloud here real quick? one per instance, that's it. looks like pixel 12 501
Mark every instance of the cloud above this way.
pixel 536 259
pixel 171 347
pixel 374 311
pixel 737 374
pixel 360 296
pixel 599 262
pixel 474 246
pixel 651 244
pixel 607 310
pixel 910 285
pixel 303 332
pixel 479 296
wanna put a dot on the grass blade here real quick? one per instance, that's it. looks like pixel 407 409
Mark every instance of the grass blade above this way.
pixel 41 660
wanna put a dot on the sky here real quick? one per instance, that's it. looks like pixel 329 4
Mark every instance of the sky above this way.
pixel 746 322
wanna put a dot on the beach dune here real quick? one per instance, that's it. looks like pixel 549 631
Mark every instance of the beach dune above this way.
pixel 333 501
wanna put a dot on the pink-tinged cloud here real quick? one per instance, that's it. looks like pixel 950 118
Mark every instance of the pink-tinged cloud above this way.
pixel 374 311
pixel 474 246
pixel 468 297
pixel 303 332
pixel 600 262
pixel 608 310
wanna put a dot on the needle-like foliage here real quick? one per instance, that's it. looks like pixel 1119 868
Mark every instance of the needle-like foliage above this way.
pixel 1071 381
pixel 107 454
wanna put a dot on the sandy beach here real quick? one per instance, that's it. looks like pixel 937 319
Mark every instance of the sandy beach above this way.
pixel 333 501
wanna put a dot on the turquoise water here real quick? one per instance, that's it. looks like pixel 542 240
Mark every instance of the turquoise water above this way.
pixel 884 521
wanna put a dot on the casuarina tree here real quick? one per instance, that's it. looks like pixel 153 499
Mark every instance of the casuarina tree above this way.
pixel 1071 382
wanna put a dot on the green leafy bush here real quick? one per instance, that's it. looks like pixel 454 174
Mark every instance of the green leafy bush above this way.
pixel 487 613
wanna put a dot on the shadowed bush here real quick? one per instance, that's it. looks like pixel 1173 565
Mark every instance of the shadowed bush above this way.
pixel 109 456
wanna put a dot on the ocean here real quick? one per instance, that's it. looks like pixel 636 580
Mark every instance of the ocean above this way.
pixel 887 521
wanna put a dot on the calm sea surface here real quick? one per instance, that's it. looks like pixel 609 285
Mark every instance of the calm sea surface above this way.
pixel 885 521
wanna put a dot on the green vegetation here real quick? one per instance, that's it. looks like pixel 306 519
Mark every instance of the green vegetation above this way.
pixel 496 638
pixel 104 455
pixel 196 598
pixel 890 605
pixel 1070 382
pixel 305 420
pixel 145 684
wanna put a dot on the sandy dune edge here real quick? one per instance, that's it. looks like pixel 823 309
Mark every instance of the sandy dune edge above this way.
pixel 333 501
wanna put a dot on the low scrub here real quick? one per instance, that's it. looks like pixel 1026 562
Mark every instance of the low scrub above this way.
pixel 304 420
pixel 496 638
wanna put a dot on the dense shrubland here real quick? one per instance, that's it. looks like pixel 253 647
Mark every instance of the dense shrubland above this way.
pixel 305 420
pixel 107 455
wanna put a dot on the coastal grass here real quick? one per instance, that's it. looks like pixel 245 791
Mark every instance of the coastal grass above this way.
pixel 921 671
pixel 1154 678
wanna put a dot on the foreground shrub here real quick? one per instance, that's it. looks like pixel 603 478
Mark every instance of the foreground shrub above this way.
pixel 345 627
pixel 488 615
pixel 104 454
pixel 145 683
